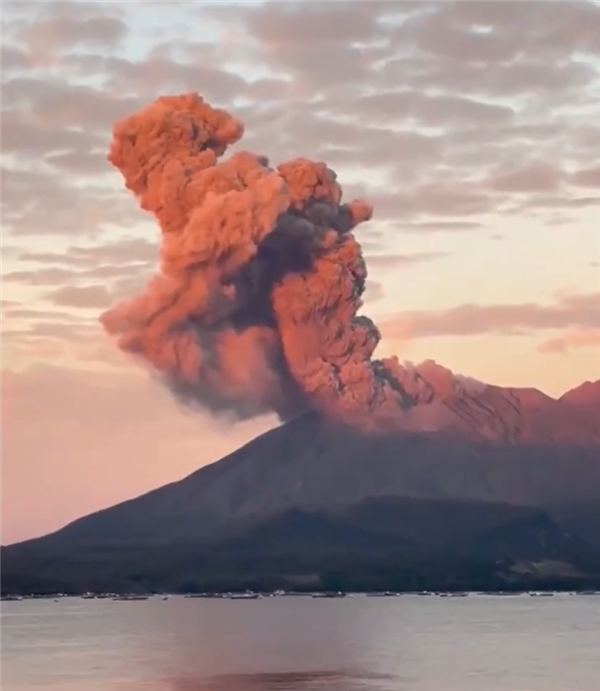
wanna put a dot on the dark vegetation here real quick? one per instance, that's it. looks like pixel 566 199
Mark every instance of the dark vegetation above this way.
pixel 378 544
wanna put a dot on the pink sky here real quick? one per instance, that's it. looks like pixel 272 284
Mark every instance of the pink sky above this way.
pixel 473 128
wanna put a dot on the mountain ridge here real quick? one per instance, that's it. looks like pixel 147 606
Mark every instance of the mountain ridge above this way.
pixel 294 466
pixel 442 402
pixel 515 460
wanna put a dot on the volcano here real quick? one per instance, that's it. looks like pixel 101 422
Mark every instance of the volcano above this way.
pixel 478 473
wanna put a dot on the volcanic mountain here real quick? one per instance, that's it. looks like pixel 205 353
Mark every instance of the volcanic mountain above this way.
pixel 472 462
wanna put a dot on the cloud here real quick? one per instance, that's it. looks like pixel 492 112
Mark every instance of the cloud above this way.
pixel 589 177
pixel 408 156
pixel 23 137
pixel 51 29
pixel 336 33
pixel 8 304
pixel 14 311
pixel 439 110
pixel 38 277
pixel 119 265
pixel 428 206
pixel 83 277
pixel 578 311
pixel 493 93
pixel 56 103
pixel 439 226
pixel 550 202
pixel 572 340
pixel 159 72
pixel 40 203
pixel 85 297
pixel 537 176
pixel 277 25
pixel 427 95
pixel 56 275
pixel 374 291
pixel 492 33
pixel 124 252
pixel 46 37
pixel 32 335
pixel 14 58
pixel 402 261
pixel 58 327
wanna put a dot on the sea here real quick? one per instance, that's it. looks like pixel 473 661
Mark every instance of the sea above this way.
pixel 357 643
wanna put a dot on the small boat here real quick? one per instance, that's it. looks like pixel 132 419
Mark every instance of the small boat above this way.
pixel 243 596
pixel 122 598
pixel 329 594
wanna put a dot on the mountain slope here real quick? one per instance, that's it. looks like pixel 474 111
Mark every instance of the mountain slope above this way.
pixel 309 464
pixel 387 543
pixel 508 474
pixel 441 402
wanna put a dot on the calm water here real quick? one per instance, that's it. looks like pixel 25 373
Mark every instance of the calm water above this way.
pixel 409 643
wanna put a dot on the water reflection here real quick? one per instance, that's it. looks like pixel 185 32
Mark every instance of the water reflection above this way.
pixel 300 639
pixel 361 644
pixel 325 680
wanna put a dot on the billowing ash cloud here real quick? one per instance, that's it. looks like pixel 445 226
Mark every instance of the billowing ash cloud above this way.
pixel 255 305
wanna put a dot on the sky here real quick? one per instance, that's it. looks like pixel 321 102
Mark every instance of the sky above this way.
pixel 473 127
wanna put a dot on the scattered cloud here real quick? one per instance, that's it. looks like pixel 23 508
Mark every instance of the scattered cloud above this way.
pixel 131 250
pixel 23 137
pixel 65 333
pixel 58 276
pixel 59 336
pixel 537 176
pixel 86 297
pixel 391 261
pixel 588 177
pixel 374 291
pixel 14 59
pixel 452 111
pixel 49 36
pixel 41 203
pixel 439 226
pixel 571 311
pixel 433 94
pixel 439 110
pixel 572 340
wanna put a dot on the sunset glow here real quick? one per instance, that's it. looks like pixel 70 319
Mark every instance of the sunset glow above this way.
pixel 475 139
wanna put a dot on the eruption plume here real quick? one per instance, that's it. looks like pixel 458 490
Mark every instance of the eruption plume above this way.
pixel 255 306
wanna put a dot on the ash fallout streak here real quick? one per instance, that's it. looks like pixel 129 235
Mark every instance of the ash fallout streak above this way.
pixel 254 308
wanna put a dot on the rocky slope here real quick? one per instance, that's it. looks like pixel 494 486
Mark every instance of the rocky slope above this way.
pixel 441 402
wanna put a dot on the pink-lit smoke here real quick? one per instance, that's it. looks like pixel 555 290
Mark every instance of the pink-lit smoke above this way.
pixel 255 306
